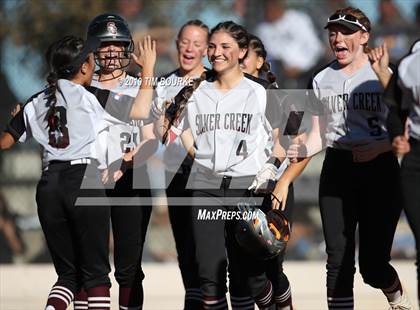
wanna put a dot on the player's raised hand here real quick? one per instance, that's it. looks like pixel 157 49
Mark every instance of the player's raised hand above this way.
pixel 379 60
pixel 147 54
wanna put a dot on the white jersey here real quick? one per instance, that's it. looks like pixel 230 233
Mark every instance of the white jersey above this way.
pixel 115 140
pixel 168 87
pixel 229 128
pixel 409 83
pixel 351 105
pixel 81 115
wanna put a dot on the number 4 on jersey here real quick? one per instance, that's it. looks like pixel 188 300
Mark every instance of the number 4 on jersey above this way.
pixel 242 149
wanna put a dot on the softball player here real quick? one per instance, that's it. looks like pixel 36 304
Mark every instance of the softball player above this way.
pixel 65 119
pixel 191 44
pixel 225 121
pixel 219 174
pixel 255 62
pixel 129 223
pixel 403 99
pixel 359 167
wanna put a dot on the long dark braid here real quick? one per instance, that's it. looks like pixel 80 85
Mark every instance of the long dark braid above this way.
pixel 257 46
pixel 176 106
pixel 59 57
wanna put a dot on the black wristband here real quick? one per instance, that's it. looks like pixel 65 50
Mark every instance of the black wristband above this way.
pixel 125 165
pixel 275 161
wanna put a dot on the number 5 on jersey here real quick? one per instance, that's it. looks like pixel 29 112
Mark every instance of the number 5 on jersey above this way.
pixel 373 123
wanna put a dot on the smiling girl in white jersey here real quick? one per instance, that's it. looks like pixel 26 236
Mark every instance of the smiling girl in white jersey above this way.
pixel 225 130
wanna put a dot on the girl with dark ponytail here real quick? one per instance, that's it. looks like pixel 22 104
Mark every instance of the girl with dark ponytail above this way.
pixel 58 56
pixel 256 63
pixel 255 66
pixel 65 119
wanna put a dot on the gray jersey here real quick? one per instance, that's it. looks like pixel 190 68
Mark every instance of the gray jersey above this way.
pixel 80 112
pixel 114 140
pixel 351 106
pixel 229 128
pixel 409 82
pixel 168 87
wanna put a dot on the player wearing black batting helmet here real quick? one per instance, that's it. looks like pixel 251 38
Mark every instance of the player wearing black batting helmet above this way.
pixel 112 28
pixel 117 141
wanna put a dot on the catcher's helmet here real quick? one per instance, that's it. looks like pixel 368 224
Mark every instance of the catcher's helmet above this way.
pixel 265 235
pixel 112 28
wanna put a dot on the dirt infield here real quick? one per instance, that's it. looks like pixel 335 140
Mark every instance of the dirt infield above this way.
pixel 25 287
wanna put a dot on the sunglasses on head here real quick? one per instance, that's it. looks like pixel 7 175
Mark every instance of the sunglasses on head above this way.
pixel 347 18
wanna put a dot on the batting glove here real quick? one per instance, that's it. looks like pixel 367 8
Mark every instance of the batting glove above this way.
pixel 265 179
